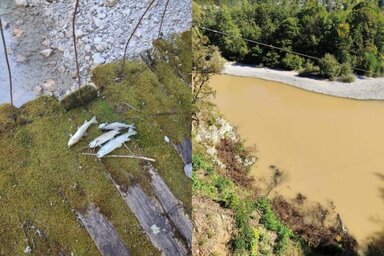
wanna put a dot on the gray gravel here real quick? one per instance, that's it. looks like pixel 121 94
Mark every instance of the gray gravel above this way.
pixel 41 46
pixel 362 88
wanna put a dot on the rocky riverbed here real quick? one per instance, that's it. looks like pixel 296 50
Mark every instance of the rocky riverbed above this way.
pixel 40 38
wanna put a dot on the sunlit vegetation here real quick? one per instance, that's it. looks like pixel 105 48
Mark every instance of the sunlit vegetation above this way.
pixel 341 33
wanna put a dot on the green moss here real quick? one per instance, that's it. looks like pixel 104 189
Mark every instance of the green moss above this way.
pixel 7 117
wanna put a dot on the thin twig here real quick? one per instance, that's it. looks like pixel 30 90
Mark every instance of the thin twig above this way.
pixel 128 149
pixel 132 107
pixel 162 19
pixel 124 156
pixel 6 58
pixel 75 43
pixel 133 32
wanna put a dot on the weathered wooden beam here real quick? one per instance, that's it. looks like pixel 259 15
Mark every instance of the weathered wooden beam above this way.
pixel 103 233
pixel 153 220
pixel 172 206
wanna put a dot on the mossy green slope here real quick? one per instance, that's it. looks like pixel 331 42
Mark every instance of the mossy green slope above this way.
pixel 43 182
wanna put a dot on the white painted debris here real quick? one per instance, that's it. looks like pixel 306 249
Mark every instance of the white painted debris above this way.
pixel 155 229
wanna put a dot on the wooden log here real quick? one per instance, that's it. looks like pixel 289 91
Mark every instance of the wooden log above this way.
pixel 103 233
pixel 172 206
pixel 153 220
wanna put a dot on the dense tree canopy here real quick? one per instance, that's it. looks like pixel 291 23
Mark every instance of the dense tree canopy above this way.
pixel 351 31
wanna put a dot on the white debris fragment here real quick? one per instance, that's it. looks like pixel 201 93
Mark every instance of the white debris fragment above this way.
pixel 155 229
pixel 28 249
pixel 166 139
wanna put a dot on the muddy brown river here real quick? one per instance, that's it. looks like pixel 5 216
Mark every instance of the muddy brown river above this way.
pixel 330 148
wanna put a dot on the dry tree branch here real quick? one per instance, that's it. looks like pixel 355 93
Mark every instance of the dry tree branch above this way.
pixel 123 156
pixel 6 58
pixel 162 19
pixel 133 32
pixel 75 43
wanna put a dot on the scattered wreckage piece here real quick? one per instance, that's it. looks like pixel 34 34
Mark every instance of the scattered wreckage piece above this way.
pixel 103 233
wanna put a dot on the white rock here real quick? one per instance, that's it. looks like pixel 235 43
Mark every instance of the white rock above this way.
pixel 37 90
pixel 98 59
pixel 46 53
pixel 22 2
pixel 166 139
pixel 88 48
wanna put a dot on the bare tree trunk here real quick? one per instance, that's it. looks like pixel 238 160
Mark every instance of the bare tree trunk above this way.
pixel 133 32
pixel 75 43
pixel 162 19
pixel 6 58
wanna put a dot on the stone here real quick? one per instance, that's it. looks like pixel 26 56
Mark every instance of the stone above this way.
pixel 46 53
pixel 21 58
pixel 49 85
pixel 88 48
pixel 98 59
pixel 110 3
pixel 38 90
pixel 22 3
pixel 99 48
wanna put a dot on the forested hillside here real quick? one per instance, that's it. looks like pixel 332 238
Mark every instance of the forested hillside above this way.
pixel 344 35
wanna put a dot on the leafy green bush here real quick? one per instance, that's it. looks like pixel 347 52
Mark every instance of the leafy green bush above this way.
pixel 292 61
pixel 309 69
pixel 329 67
pixel 271 59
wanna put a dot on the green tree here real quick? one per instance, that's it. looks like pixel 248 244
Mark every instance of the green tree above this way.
pixel 206 62
pixel 329 67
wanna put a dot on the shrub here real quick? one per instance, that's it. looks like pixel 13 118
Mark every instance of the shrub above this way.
pixel 329 67
pixel 292 62
pixel 309 69
pixel 271 59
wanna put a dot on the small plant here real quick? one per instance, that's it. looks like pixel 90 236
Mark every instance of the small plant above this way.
pixel 329 67
pixel 292 62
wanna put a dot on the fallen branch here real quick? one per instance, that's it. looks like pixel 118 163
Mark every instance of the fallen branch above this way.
pixel 75 43
pixel 124 156
pixel 6 59
pixel 132 107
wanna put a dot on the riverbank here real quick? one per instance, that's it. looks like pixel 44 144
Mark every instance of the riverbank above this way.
pixel 362 88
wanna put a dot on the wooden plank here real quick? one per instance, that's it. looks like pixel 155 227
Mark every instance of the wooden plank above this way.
pixel 153 220
pixel 172 206
pixel 103 233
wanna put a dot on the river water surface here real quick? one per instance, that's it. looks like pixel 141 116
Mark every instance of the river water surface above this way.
pixel 330 148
